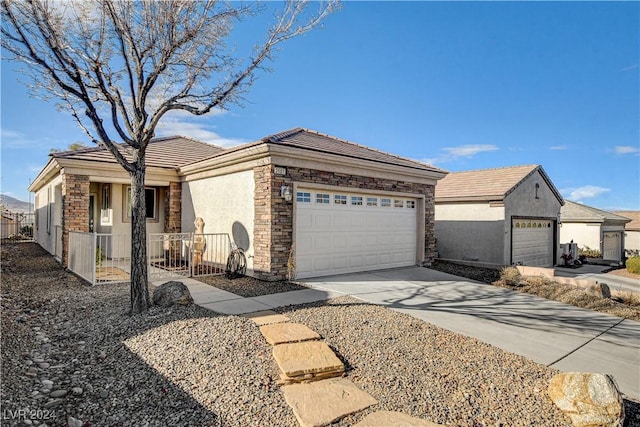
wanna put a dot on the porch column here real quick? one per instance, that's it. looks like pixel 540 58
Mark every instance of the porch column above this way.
pixel 173 208
pixel 75 209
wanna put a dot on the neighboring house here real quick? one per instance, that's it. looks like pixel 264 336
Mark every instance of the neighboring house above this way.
pixel 593 228
pixel 632 232
pixel 500 216
pixel 298 197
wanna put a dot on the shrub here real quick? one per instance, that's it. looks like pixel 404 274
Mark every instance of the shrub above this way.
pixel 510 276
pixel 633 265
pixel 588 252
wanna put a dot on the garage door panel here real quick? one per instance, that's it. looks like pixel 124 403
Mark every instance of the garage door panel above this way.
pixel 532 242
pixel 334 239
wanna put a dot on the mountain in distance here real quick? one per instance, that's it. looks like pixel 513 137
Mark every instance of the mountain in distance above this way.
pixel 14 205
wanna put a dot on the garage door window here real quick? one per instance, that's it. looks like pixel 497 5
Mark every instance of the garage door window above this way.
pixel 322 199
pixel 356 200
pixel 340 199
pixel 411 204
pixel 398 203
pixel 385 203
pixel 372 201
pixel 303 197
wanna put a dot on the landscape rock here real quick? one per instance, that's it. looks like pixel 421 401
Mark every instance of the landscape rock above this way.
pixel 323 402
pixel 58 393
pixel 391 418
pixel 601 290
pixel 172 293
pixel 281 333
pixel 588 399
pixel 74 422
pixel 308 357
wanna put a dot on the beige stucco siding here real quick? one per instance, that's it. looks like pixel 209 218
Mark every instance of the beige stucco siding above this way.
pixel 470 231
pixel 48 203
pixel 632 240
pixel 226 204
pixel 584 234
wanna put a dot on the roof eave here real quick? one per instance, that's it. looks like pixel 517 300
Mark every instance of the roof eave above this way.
pixel 50 170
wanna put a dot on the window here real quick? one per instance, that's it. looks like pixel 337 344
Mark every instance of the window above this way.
pixel 106 196
pixel 372 201
pixel 49 210
pixel 322 199
pixel 340 199
pixel 411 204
pixel 304 197
pixel 385 203
pixel 398 203
pixel 356 200
pixel 150 203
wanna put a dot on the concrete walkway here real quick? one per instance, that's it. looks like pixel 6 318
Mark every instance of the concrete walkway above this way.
pixel 554 334
pixel 595 272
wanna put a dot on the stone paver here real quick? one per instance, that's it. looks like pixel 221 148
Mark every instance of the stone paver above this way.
pixel 393 419
pixel 281 333
pixel 323 402
pixel 308 357
pixel 266 317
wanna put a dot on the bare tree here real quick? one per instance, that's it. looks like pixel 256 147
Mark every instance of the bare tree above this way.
pixel 120 66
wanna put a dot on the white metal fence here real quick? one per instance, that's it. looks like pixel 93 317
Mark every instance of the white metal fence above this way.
pixel 100 258
pixel 106 258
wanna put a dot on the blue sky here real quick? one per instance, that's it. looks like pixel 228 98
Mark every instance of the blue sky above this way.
pixel 459 85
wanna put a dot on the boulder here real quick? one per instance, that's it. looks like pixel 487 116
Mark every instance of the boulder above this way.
pixel 588 399
pixel 172 293
pixel 601 290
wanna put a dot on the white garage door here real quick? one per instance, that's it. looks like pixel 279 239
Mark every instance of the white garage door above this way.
pixel 532 242
pixel 342 232
pixel 612 246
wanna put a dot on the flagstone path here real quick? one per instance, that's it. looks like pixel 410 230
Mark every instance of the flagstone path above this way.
pixel 312 377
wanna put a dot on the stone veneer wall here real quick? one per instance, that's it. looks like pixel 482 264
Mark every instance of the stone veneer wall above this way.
pixel 173 208
pixel 273 226
pixel 75 209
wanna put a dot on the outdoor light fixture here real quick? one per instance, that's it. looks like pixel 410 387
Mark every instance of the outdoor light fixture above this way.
pixel 285 193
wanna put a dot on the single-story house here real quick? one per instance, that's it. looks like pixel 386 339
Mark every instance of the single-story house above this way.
pixel 594 228
pixel 632 232
pixel 299 197
pixel 499 216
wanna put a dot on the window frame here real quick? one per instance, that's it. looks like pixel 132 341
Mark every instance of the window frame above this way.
pixel 353 199
pixel 303 196
pixel 340 199
pixel 126 212
pixel 322 200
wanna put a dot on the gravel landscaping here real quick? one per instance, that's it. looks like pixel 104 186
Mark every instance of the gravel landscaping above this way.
pixel 69 349
pixel 249 287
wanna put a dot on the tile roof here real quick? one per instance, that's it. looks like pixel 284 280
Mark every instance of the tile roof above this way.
pixel 312 140
pixel 577 212
pixel 486 184
pixel 634 216
pixel 169 152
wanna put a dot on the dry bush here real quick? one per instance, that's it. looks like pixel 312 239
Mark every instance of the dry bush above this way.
pixel 628 298
pixel 509 278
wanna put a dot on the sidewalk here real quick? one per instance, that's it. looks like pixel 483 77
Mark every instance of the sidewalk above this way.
pixel 229 303
pixel 595 272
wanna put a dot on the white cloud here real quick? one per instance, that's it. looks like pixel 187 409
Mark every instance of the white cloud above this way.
pixel 630 67
pixel 461 151
pixel 174 125
pixel 626 149
pixel 584 192
pixel 558 147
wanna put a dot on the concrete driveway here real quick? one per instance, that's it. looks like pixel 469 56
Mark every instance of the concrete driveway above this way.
pixel 595 272
pixel 551 333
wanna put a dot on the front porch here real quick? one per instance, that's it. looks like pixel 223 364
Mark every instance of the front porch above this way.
pixel 103 258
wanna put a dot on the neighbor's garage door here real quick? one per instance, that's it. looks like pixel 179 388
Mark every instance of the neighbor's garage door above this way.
pixel 342 232
pixel 612 246
pixel 532 242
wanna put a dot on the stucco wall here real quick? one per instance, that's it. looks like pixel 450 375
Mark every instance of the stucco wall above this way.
pixel 226 204
pixel 471 231
pixel 632 241
pixel 51 193
pixel 525 201
pixel 584 234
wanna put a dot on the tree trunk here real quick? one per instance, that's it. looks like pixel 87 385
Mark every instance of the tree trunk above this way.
pixel 139 287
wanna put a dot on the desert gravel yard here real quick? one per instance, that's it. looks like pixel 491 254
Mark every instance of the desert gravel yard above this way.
pixel 71 350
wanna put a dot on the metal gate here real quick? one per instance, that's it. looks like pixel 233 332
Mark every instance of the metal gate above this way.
pixel 17 225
